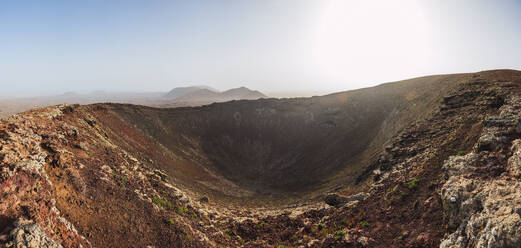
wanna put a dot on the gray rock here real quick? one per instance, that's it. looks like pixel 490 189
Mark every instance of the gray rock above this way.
pixel 28 234
pixel 204 199
pixel 337 200
pixel 357 197
pixel 485 213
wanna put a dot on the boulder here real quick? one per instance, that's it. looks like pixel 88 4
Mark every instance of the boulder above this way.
pixel 204 199
pixel 337 200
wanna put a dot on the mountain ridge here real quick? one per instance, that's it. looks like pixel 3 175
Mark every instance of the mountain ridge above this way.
pixel 199 94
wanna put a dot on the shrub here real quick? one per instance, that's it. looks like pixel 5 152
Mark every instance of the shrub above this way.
pixel 413 183
pixel 339 234
pixel 364 223
pixel 188 236
pixel 160 202
pixel 182 210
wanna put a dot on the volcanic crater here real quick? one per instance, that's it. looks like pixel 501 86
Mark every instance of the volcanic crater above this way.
pixel 278 146
pixel 255 173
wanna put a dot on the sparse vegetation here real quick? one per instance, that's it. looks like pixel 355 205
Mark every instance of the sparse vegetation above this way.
pixel 364 223
pixel 181 210
pixel 413 183
pixel 187 235
pixel 161 202
pixel 339 234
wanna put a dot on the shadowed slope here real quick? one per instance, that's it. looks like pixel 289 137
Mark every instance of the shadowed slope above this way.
pixel 286 145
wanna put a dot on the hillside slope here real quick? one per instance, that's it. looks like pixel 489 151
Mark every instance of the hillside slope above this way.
pixel 420 163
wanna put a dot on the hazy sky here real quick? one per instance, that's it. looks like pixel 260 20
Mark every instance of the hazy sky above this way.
pixel 270 45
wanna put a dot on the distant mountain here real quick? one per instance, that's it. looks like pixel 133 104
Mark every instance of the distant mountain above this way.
pixel 200 95
pixel 183 91
pixel 207 94
pixel 242 93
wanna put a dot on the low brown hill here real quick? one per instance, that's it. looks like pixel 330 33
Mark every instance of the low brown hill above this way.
pixel 182 91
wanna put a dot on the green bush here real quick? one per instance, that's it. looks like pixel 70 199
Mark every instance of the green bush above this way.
pixel 364 223
pixel 413 183
pixel 161 202
pixel 339 234
pixel 182 210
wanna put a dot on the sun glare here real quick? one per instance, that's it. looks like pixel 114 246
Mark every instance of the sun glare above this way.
pixel 356 38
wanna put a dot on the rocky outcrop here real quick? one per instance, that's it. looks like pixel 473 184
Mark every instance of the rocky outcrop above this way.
pixel 481 197
pixel 25 186
pixel 27 234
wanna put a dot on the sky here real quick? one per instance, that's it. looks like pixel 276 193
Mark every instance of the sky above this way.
pixel 319 46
